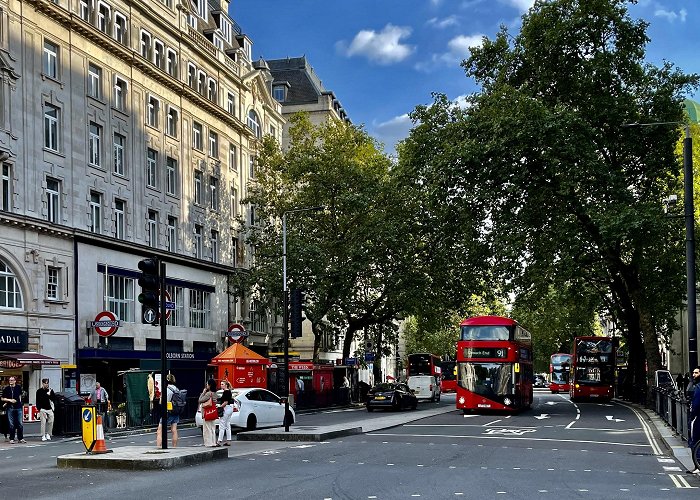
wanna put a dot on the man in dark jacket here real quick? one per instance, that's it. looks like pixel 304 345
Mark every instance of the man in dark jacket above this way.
pixel 695 413
pixel 45 400
pixel 12 395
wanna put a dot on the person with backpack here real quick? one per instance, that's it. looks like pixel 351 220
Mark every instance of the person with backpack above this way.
pixel 226 403
pixel 173 418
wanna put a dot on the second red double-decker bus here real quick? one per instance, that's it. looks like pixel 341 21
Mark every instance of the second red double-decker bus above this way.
pixel 494 365
pixel 449 376
pixel 559 366
pixel 592 368
pixel 424 374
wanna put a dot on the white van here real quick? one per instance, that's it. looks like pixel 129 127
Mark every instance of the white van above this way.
pixel 425 387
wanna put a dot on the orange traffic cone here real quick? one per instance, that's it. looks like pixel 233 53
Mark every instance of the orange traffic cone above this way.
pixel 100 445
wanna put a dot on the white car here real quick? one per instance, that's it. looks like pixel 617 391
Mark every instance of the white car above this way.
pixel 254 408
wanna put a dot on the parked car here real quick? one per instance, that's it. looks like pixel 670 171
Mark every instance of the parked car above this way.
pixel 390 395
pixel 540 381
pixel 254 408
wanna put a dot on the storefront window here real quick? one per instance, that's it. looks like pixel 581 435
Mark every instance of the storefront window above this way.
pixel 121 297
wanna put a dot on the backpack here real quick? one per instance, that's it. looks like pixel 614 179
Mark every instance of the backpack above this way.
pixel 179 401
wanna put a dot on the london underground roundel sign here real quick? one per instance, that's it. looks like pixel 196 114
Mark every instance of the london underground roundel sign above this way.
pixel 106 324
pixel 237 333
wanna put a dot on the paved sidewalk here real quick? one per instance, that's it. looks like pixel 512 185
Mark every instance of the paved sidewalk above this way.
pixel 678 447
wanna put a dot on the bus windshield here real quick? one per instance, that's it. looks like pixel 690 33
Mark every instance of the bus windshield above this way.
pixel 487 379
pixel 560 377
pixel 419 364
pixel 485 333
pixel 449 371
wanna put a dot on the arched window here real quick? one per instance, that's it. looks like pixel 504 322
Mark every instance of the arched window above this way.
pixel 10 292
pixel 254 123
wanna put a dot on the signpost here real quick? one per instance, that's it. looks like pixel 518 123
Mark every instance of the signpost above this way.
pixel 106 324
pixel 237 333
pixel 89 427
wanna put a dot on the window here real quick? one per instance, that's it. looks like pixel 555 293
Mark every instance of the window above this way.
pixel 119 28
pixel 202 83
pixel 273 131
pixel 94 145
pixel 53 200
pixel 152 229
pixel 201 8
pixel 53 275
pixel 172 234
pixel 251 166
pixel 234 251
pixel 232 157
pixel 177 315
pixel 119 143
pixel 119 219
pixel 171 176
pixel 198 234
pixel 231 104
pixel 253 123
pixel 159 54
pixel 252 217
pixel 171 126
pixel 214 193
pixel 120 297
pixel 6 188
pixel 214 242
pixel 50 59
pixel 199 309
pixel 145 45
pixel 10 292
pixel 191 75
pixel 234 202
pixel 171 63
pixel 153 111
pixel 51 116
pixel 120 94
pixel 152 168
pixel 211 90
pixel 278 92
pixel 95 212
pixel 94 79
pixel 213 144
pixel 197 136
pixel 103 17
pixel 218 43
pixel 85 10
pixel 198 187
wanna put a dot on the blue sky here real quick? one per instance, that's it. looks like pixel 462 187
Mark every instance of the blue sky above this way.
pixel 381 58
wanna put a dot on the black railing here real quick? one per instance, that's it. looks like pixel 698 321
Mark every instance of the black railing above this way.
pixel 672 406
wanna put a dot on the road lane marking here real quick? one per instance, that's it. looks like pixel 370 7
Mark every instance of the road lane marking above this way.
pixel 469 425
pixel 680 481
pixel 494 422
pixel 656 448
pixel 454 436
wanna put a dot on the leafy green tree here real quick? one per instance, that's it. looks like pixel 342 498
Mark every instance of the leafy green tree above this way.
pixel 541 168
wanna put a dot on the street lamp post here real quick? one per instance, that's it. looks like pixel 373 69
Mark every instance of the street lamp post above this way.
pixel 689 214
pixel 286 307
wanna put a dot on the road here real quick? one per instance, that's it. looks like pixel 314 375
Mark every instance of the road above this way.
pixel 557 449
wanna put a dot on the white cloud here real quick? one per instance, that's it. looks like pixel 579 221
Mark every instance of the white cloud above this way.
pixel 392 131
pixel 461 101
pixel 383 47
pixel 458 50
pixel 672 16
pixel 522 5
pixel 443 23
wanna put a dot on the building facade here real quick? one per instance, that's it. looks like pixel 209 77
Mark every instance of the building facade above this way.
pixel 128 129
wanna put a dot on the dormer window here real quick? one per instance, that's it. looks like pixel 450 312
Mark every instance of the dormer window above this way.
pixel 279 92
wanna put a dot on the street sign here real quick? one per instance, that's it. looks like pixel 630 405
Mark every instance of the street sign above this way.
pixel 237 333
pixel 106 324
pixel 149 315
pixel 168 301
pixel 89 427
pixel 350 361
pixel 369 357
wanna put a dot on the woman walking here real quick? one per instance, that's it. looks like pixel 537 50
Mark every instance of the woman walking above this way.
pixel 225 421
pixel 208 426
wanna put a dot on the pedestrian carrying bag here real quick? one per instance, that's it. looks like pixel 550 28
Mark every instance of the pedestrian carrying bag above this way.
pixel 210 412
pixel 179 401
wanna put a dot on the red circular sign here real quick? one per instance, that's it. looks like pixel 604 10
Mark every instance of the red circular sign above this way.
pixel 237 333
pixel 106 324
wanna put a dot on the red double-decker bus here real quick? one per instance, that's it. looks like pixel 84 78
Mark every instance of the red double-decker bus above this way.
pixel 592 369
pixel 559 367
pixel 494 365
pixel 449 376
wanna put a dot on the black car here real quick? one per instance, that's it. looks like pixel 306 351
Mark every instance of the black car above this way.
pixel 392 396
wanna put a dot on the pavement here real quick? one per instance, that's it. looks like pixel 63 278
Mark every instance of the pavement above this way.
pixel 142 458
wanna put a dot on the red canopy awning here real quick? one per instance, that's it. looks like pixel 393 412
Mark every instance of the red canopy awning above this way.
pixel 29 358
pixel 238 354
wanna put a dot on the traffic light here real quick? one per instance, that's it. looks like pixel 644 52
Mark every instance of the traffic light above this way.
pixel 149 281
pixel 295 302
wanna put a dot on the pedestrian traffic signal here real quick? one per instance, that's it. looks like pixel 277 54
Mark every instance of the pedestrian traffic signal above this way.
pixel 149 281
pixel 295 302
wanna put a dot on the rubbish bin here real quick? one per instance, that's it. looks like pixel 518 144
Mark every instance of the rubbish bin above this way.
pixel 67 414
